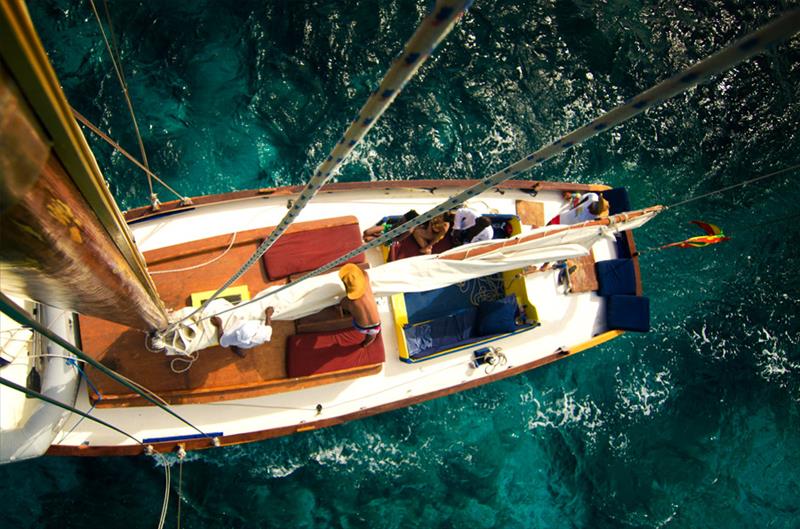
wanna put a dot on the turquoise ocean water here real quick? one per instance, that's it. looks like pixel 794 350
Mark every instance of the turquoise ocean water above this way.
pixel 696 424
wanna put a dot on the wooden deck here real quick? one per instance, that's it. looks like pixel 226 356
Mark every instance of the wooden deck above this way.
pixel 218 374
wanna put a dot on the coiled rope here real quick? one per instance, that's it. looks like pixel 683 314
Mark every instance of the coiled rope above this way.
pixel 16 313
pixel 433 28
pixel 741 50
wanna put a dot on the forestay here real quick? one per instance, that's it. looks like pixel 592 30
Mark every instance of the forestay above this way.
pixel 415 274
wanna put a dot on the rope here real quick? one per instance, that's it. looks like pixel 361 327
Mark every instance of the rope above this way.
pixel 734 186
pixel 436 25
pixel 728 188
pixel 188 360
pixel 16 313
pixel 752 44
pixel 80 117
pixel 181 457
pixel 121 77
pixel 45 398
pixel 217 258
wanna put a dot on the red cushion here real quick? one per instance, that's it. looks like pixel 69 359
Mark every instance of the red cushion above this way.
pixel 409 248
pixel 322 352
pixel 306 250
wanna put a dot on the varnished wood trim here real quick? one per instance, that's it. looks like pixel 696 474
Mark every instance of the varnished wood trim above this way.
pixel 637 271
pixel 224 393
pixel 228 440
pixel 336 187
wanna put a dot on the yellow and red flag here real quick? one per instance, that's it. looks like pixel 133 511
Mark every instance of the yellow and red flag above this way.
pixel 713 235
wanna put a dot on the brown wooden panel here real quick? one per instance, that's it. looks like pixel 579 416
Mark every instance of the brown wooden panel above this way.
pixel 531 213
pixel 584 278
pixel 218 393
pixel 218 374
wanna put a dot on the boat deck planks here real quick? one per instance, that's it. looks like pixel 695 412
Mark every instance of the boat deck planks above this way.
pixel 218 374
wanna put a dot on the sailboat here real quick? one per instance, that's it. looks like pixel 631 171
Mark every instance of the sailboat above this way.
pixel 109 315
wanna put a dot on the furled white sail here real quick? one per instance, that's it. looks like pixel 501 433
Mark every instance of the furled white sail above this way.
pixel 415 274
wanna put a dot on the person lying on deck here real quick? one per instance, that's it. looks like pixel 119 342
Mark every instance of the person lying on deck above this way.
pixel 360 302
pixel 470 226
pixel 581 208
pixel 384 227
pixel 431 232
pixel 244 334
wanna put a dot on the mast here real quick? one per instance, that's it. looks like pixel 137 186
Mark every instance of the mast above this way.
pixel 63 241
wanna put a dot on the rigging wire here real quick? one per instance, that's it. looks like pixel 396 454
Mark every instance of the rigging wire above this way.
pixel 430 32
pixel 167 473
pixel 734 186
pixel 123 83
pixel 92 127
pixel 16 313
pixel 744 48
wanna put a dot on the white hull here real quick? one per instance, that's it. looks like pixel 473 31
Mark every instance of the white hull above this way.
pixel 567 321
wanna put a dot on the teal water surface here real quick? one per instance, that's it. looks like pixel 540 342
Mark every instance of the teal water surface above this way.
pixel 695 424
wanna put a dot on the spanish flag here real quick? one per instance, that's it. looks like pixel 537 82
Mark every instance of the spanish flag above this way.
pixel 713 235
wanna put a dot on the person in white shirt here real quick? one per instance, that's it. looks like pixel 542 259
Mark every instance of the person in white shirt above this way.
pixel 582 208
pixel 244 334
pixel 470 226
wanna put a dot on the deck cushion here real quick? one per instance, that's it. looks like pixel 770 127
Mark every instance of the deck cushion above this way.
pixel 628 313
pixel 616 276
pixel 323 352
pixel 433 335
pixel 618 200
pixel 307 250
pixel 497 317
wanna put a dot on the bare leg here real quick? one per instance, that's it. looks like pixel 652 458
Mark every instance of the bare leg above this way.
pixel 217 322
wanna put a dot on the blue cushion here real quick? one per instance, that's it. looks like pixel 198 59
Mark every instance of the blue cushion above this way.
pixel 616 276
pixel 628 313
pixel 497 317
pixel 439 333
pixel 618 201
pixel 623 248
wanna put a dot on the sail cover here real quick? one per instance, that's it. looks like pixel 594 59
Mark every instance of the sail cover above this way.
pixel 415 274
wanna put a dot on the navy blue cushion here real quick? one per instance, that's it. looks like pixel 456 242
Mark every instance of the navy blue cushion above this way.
pixel 623 248
pixel 440 333
pixel 628 313
pixel 618 201
pixel 616 276
pixel 497 317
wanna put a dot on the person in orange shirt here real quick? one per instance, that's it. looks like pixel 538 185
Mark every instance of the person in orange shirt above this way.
pixel 360 302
